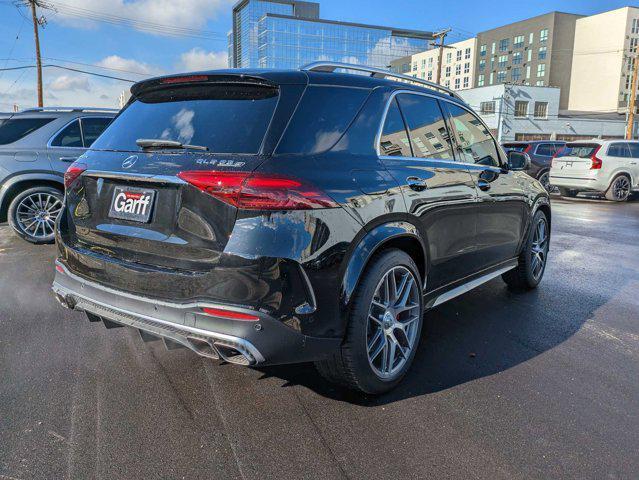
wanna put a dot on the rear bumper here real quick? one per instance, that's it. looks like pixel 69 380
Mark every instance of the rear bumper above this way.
pixel 263 342
pixel 577 183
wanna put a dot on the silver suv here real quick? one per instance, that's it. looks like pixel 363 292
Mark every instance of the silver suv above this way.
pixel 36 148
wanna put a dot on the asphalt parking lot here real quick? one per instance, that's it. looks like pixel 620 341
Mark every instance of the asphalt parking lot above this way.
pixel 537 385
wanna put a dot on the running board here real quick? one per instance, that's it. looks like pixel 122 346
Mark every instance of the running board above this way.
pixel 467 287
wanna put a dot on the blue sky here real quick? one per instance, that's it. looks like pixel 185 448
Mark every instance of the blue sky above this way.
pixel 128 52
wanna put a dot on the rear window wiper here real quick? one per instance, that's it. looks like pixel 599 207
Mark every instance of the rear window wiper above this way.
pixel 148 143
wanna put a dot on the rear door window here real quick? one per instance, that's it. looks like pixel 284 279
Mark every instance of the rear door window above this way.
pixel 321 118
pixel 12 130
pixel 475 141
pixel 428 132
pixel 228 118
pixel 92 128
pixel 619 149
pixel 70 136
pixel 394 140
pixel 634 149
pixel 545 150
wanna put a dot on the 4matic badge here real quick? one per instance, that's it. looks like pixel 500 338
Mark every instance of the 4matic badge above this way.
pixel 220 163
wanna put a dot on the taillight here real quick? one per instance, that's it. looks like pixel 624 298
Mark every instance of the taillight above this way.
pixel 258 191
pixel 528 149
pixel 73 172
pixel 596 161
pixel 558 152
pixel 230 314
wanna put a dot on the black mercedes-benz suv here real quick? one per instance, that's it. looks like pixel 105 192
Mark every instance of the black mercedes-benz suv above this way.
pixel 268 217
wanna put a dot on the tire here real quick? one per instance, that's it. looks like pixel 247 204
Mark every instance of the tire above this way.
pixel 529 271
pixel 365 336
pixel 566 192
pixel 619 189
pixel 32 213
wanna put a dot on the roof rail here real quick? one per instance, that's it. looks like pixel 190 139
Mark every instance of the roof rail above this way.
pixel 377 73
pixel 70 109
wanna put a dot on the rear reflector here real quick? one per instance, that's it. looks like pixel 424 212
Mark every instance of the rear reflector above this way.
pixel 257 191
pixel 73 172
pixel 231 315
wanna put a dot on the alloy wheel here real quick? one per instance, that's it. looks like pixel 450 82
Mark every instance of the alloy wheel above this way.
pixel 539 248
pixel 393 322
pixel 36 214
pixel 621 188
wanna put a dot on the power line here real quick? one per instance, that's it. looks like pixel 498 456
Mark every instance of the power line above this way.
pixel 51 65
pixel 14 44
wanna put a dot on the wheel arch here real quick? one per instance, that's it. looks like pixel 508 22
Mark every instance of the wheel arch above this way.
pixel 398 234
pixel 20 183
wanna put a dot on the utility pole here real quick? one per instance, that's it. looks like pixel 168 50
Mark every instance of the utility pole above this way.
pixel 441 35
pixel 36 24
pixel 630 127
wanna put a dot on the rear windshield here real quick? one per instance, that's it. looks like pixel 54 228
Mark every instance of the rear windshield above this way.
pixel 517 147
pixel 579 150
pixel 12 130
pixel 226 118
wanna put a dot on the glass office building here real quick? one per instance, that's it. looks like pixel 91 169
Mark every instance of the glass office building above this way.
pixel 289 34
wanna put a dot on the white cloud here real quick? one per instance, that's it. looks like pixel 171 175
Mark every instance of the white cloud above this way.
pixel 128 65
pixel 69 83
pixel 175 13
pixel 199 59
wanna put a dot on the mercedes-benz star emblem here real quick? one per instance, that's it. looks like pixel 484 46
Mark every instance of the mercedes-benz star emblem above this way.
pixel 130 161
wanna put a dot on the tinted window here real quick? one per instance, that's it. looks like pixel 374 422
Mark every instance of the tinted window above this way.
pixel 634 150
pixel 476 143
pixel 545 149
pixel 92 128
pixel 394 140
pixel 580 150
pixel 70 136
pixel 226 119
pixel 425 121
pixel 13 130
pixel 619 150
pixel 321 118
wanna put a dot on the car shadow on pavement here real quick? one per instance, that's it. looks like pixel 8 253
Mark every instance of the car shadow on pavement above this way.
pixel 482 333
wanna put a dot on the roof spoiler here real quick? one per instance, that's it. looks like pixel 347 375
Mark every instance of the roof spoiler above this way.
pixel 182 80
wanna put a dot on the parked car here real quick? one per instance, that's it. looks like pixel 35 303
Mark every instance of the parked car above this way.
pixel 36 148
pixel 610 167
pixel 541 153
pixel 268 217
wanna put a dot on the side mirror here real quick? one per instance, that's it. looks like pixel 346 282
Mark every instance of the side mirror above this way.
pixel 518 161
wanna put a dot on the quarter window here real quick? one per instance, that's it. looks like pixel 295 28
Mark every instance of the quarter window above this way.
pixel 428 132
pixel 70 136
pixel 475 142
pixel 394 139
pixel 619 150
pixel 634 149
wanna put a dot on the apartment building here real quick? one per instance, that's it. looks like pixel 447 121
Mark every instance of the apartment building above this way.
pixel 602 65
pixel 458 65
pixel 536 51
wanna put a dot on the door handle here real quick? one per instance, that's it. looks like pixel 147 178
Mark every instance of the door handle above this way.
pixel 483 185
pixel 68 159
pixel 416 183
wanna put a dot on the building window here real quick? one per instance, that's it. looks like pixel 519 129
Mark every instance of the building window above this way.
pixel 467 67
pixel 480 80
pixel 540 83
pixel 521 108
pixel 447 84
pixel 466 82
pixel 459 55
pixel 529 55
pixel 517 58
pixel 490 80
pixel 449 57
pixel 504 43
pixel 516 74
pixel 482 64
pixel 457 83
pixel 493 48
pixel 487 108
pixel 542 53
pixel 423 63
pixel 501 76
pixel 422 74
pixel 541 110
pixel 503 60
pixel 458 69
pixel 541 69
pixel 528 71
pixel 448 71
pixel 482 51
pixel 414 66
pixel 635 25
pixel 543 35
pixel 430 62
pixel 430 75
pixel 467 54
pixel 531 38
pixel 518 41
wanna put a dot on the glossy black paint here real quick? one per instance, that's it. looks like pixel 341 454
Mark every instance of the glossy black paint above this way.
pixel 300 267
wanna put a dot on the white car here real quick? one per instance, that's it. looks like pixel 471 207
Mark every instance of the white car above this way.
pixel 610 167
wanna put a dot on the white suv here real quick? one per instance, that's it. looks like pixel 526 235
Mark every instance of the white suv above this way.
pixel 607 166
